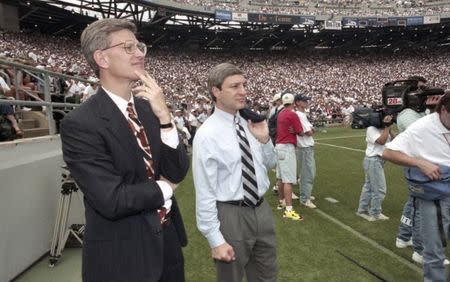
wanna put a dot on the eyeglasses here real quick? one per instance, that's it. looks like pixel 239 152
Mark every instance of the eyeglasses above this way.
pixel 131 47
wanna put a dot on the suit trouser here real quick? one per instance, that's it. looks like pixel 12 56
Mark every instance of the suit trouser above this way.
pixel 173 268
pixel 251 233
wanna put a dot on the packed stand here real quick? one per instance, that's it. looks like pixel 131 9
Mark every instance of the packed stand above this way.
pixel 327 7
pixel 336 84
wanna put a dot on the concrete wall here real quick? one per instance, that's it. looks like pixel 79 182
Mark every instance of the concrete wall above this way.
pixel 30 182
pixel 9 17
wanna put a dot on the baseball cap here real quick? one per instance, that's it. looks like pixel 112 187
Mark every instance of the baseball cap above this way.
pixel 301 97
pixel 287 98
pixel 276 97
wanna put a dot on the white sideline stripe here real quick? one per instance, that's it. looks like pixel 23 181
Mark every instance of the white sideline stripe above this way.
pixel 340 137
pixel 341 147
pixel 371 242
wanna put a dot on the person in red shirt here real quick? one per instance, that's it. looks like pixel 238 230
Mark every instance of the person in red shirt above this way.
pixel 288 127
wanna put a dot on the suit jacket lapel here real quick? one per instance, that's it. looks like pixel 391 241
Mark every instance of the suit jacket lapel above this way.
pixel 116 122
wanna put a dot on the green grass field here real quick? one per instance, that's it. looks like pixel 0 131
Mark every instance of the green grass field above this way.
pixel 309 250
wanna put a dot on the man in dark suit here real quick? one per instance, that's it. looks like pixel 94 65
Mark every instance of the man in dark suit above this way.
pixel 124 153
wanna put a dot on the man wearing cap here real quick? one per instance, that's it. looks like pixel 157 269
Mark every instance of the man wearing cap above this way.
pixel 288 127
pixel 277 106
pixel 305 152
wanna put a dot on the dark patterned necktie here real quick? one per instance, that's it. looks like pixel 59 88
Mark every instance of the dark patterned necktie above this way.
pixel 141 137
pixel 249 183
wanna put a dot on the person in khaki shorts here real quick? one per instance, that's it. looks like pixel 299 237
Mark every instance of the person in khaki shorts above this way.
pixel 288 127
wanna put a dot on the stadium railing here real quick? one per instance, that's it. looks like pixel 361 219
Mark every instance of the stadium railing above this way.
pixel 42 76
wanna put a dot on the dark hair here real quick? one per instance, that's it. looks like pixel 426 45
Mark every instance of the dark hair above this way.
pixel 444 102
pixel 218 74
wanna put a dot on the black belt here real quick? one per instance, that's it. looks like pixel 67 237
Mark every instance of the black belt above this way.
pixel 241 203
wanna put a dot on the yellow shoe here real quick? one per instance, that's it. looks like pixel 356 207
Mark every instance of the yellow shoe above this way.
pixel 292 215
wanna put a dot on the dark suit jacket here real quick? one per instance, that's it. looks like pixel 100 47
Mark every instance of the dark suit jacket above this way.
pixel 123 239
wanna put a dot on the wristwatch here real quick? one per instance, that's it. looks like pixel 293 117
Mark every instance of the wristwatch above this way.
pixel 166 125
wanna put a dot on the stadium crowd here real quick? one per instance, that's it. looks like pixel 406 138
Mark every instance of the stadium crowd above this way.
pixel 333 82
pixel 327 7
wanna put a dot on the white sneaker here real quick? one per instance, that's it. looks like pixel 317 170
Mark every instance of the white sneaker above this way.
pixel 312 198
pixel 446 262
pixel 294 197
pixel 416 257
pixel 309 204
pixel 378 217
pixel 364 215
pixel 399 243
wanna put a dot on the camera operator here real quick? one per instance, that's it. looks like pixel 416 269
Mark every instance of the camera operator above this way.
pixel 425 145
pixel 374 189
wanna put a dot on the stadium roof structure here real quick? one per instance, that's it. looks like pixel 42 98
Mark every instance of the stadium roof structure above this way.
pixel 166 24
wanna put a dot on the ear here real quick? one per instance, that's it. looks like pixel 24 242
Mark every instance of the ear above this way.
pixel 215 91
pixel 101 59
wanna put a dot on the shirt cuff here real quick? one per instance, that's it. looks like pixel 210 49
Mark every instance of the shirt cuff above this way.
pixel 166 190
pixel 170 138
pixel 168 205
pixel 215 239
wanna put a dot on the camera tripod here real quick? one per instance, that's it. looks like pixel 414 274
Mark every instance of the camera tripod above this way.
pixel 61 232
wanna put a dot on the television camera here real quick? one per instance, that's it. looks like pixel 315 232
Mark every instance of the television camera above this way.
pixel 396 96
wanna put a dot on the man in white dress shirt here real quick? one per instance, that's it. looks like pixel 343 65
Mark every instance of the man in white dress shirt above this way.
pixel 241 235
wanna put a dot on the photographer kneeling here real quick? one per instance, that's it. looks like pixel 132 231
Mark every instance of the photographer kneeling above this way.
pixel 424 147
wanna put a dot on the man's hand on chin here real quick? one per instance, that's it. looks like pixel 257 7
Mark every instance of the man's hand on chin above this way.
pixel 223 253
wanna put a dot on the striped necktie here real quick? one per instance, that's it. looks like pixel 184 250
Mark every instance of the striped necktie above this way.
pixel 249 183
pixel 141 137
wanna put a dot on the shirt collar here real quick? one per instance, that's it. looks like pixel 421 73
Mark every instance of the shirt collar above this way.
pixel 229 118
pixel 121 103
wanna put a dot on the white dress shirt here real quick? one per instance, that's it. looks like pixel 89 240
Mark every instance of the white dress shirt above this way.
pixel 217 169
pixel 170 138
